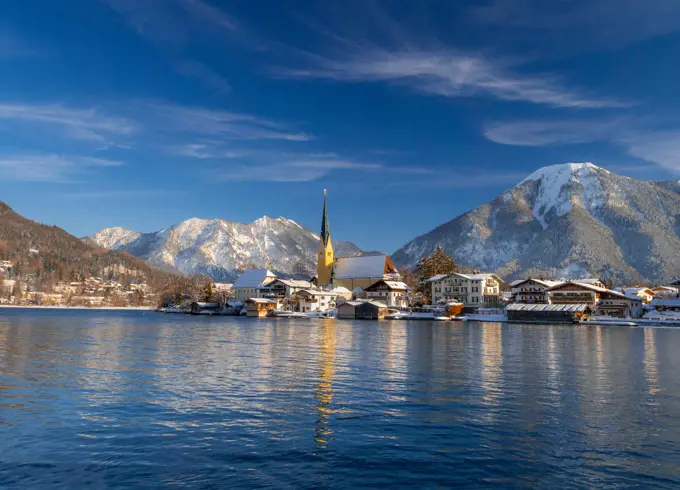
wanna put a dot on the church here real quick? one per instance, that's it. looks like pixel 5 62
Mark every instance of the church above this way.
pixel 348 272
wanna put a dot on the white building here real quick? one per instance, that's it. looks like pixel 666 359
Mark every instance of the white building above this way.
pixel 284 288
pixel 311 300
pixel 468 289
pixel 391 293
pixel 249 283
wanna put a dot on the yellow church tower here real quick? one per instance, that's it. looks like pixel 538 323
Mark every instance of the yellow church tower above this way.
pixel 325 258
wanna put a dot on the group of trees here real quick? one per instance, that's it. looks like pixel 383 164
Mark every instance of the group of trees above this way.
pixel 182 289
pixel 436 262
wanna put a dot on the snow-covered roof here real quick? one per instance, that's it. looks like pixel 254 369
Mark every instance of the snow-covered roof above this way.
pixel 376 303
pixel 357 267
pixel 666 288
pixel 587 280
pixel 393 285
pixel 261 300
pixel 664 302
pixel 543 307
pixel 634 293
pixel 545 282
pixel 295 283
pixel 314 292
pixel 253 278
pixel 351 303
pixel 358 290
pixel 341 290
pixel 438 277
pixel 592 287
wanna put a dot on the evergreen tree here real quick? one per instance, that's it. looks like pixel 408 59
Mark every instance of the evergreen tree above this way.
pixel 436 263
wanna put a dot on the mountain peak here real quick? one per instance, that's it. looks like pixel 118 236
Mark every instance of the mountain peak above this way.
pixel 562 171
pixel 567 220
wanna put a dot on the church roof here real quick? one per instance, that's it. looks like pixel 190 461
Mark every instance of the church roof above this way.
pixel 325 230
pixel 358 267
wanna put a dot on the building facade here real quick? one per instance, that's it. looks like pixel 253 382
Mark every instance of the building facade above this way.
pixel 531 291
pixel 602 301
pixel 391 293
pixel 310 300
pixel 249 284
pixel 469 289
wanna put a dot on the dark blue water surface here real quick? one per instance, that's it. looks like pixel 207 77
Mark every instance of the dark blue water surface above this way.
pixel 146 400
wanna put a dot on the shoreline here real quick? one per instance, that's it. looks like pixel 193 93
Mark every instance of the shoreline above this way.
pixel 103 308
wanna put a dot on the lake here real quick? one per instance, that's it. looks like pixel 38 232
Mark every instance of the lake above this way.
pixel 146 400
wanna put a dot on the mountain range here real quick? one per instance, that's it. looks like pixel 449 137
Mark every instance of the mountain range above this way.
pixel 567 220
pixel 221 248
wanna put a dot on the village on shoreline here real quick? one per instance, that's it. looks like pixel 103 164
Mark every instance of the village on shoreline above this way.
pixel 369 287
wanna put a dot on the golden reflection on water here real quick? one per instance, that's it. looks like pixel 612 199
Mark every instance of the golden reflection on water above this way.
pixel 651 362
pixel 324 390
pixel 492 360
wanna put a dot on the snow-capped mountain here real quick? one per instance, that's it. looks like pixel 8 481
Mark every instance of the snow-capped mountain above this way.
pixel 567 220
pixel 218 248
pixel 113 238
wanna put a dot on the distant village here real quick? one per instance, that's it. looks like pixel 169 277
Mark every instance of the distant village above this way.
pixel 370 287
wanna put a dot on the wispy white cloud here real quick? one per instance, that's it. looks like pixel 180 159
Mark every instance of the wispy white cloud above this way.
pixel 210 122
pixel 639 137
pixel 588 24
pixel 450 73
pixel 212 79
pixel 545 132
pixel 146 123
pixel 173 25
pixel 272 167
pixel 77 123
pixel 40 167
pixel 174 21
pixel 662 148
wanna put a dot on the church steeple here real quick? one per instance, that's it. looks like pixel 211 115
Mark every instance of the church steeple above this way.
pixel 325 231
pixel 325 258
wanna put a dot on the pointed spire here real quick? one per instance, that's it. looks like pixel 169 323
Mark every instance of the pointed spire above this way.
pixel 325 231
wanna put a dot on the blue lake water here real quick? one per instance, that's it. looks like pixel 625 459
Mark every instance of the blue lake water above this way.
pixel 146 400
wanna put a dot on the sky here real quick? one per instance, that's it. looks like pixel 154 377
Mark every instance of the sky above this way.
pixel 144 113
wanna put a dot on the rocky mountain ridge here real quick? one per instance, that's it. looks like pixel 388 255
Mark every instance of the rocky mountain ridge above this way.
pixel 220 248
pixel 567 220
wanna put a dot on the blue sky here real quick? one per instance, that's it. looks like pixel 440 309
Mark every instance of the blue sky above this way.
pixel 143 113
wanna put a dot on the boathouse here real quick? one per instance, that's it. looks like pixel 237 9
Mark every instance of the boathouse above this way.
pixel 259 307
pixel 543 313
pixel 362 310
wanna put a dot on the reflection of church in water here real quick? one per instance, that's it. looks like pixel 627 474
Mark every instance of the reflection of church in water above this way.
pixel 349 272
pixel 324 390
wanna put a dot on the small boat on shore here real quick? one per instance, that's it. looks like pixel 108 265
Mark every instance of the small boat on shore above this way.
pixel 286 314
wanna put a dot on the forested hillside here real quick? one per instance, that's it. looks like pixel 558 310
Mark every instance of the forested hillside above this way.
pixel 43 258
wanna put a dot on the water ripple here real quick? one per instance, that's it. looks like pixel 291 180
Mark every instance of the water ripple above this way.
pixel 138 400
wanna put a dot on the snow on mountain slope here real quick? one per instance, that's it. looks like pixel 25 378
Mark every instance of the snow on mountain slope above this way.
pixel 567 218
pixel 114 238
pixel 218 248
